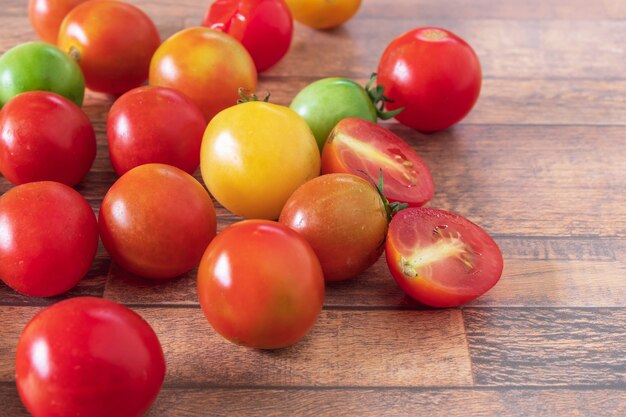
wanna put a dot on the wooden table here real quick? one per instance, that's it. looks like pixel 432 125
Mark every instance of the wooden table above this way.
pixel 540 163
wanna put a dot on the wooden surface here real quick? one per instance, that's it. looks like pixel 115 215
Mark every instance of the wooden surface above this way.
pixel 540 163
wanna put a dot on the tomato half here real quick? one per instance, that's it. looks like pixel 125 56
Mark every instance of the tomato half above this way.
pixel 323 14
pixel 46 16
pixel 364 148
pixel 88 357
pixel 433 74
pixel 260 285
pixel 440 258
pixel 264 27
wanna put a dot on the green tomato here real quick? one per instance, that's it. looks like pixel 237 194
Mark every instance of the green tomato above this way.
pixel 40 66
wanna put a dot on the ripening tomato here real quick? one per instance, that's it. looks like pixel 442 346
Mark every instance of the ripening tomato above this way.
pixel 156 221
pixel 44 136
pixel 48 238
pixel 113 43
pixel 154 124
pixel 260 285
pixel 46 16
pixel 264 27
pixel 206 65
pixel 91 357
pixel 433 74
pixel 440 258
pixel 323 14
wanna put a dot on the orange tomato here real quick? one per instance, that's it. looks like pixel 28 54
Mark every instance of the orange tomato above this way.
pixel 323 14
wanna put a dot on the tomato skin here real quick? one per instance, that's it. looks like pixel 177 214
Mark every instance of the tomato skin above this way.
pixel 260 285
pixel 363 148
pixel 90 357
pixel 34 66
pixel 156 221
pixel 53 238
pixel 114 42
pixel 433 74
pixel 254 155
pixel 323 14
pixel 206 65
pixel 264 27
pixel 46 16
pixel 465 262
pixel 154 125
pixel 44 136
pixel 343 218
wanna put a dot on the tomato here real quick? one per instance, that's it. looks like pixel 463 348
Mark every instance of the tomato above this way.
pixel 88 357
pixel 441 259
pixel 260 285
pixel 433 74
pixel 264 27
pixel 44 136
pixel 254 155
pixel 323 14
pixel 206 65
pixel 154 124
pixel 113 43
pixel 343 218
pixel 156 221
pixel 46 16
pixel 48 238
pixel 364 148
pixel 34 66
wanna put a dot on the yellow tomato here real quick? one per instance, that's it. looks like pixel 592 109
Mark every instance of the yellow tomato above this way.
pixel 323 14
pixel 254 155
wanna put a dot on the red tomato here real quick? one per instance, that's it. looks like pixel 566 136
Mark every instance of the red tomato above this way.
pixel 441 259
pixel 88 357
pixel 113 43
pixel 156 221
pixel 154 124
pixel 264 27
pixel 360 147
pixel 206 65
pixel 343 218
pixel 433 74
pixel 44 136
pixel 260 284
pixel 48 238
pixel 46 16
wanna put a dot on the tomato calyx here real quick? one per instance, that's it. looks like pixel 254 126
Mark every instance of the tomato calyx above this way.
pixel 248 96
pixel 390 208
pixel 376 94
pixel 74 53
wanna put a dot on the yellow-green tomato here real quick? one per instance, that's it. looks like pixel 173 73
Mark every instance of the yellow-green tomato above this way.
pixel 255 155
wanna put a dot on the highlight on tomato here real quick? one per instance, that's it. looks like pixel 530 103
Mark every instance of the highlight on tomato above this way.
pixel 323 14
pixel 46 16
pixel 441 259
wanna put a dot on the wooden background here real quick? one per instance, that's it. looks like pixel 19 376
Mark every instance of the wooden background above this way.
pixel 540 163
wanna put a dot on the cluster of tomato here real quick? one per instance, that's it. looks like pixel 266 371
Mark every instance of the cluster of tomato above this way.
pixel 261 281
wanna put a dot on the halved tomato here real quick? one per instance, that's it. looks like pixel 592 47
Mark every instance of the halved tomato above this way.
pixel 360 147
pixel 440 258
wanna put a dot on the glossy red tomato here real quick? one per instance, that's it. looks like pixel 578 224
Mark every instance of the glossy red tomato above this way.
pixel 433 74
pixel 48 238
pixel 440 258
pixel 44 136
pixel 113 43
pixel 264 27
pixel 156 221
pixel 88 357
pixel 363 148
pixel 154 124
pixel 46 16
pixel 260 284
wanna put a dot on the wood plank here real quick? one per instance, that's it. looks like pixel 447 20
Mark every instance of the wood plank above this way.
pixel 12 322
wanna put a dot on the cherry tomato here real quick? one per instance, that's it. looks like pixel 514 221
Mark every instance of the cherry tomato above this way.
pixel 260 285
pixel 323 14
pixel 364 148
pixel 48 238
pixel 254 155
pixel 433 74
pixel 264 27
pixel 156 221
pixel 113 43
pixel 34 66
pixel 154 124
pixel 88 357
pixel 441 259
pixel 343 218
pixel 206 65
pixel 44 136
pixel 46 16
